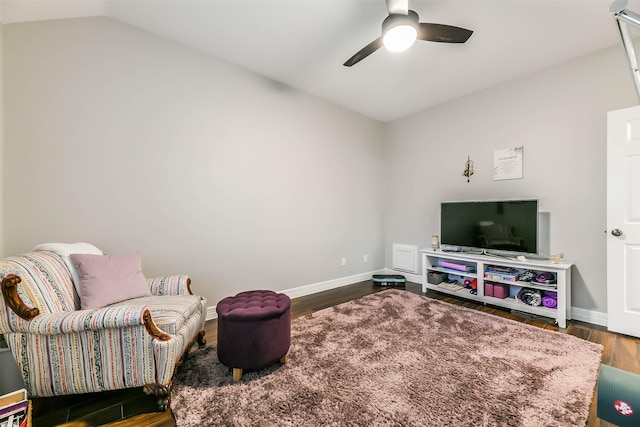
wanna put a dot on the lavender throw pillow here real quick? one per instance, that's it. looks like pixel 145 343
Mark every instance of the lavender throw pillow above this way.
pixel 107 279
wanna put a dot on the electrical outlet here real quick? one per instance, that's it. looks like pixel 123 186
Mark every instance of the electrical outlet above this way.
pixel 366 258
pixel 344 261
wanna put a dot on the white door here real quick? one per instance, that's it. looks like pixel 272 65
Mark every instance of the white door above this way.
pixel 623 221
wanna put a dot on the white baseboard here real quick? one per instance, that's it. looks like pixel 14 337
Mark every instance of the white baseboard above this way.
pixel 588 316
pixel 316 287
pixel 329 284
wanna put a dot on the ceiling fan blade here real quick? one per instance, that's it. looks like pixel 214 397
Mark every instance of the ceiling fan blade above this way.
pixel 364 52
pixel 400 7
pixel 443 33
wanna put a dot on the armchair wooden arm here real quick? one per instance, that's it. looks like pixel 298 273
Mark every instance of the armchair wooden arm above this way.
pixel 151 327
pixel 13 300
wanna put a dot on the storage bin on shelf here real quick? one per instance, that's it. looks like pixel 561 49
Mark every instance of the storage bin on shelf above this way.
pixel 496 290
pixel 436 277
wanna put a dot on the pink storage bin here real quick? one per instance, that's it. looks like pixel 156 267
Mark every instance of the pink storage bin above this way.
pixel 488 289
pixel 500 290
pixel 496 290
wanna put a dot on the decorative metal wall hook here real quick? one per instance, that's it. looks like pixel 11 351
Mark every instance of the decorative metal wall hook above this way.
pixel 468 168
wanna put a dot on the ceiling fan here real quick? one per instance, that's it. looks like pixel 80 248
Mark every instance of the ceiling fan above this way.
pixel 401 28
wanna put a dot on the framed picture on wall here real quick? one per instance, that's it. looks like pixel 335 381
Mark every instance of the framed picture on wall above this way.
pixel 507 163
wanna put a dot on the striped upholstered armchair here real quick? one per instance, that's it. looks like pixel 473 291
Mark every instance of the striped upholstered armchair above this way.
pixel 69 341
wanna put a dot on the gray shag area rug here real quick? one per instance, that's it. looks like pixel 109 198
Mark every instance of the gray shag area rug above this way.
pixel 395 358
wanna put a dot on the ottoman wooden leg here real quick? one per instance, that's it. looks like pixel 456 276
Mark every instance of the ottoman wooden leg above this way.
pixel 237 374
pixel 283 359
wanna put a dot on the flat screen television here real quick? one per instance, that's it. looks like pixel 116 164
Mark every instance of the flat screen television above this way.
pixel 490 226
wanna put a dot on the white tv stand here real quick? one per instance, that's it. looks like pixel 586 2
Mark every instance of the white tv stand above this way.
pixel 479 263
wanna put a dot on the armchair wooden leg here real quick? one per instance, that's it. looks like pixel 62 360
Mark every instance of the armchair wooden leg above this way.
pixel 237 374
pixel 200 338
pixel 161 392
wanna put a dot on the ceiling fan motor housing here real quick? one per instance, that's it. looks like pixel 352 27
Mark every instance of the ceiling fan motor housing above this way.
pixel 396 19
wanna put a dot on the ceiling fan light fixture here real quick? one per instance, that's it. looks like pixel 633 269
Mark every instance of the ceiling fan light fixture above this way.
pixel 399 31
pixel 400 38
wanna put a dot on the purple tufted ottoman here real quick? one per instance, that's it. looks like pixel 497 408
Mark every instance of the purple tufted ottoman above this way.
pixel 254 330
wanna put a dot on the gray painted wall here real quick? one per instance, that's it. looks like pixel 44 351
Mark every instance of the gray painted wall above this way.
pixel 136 144
pixel 559 117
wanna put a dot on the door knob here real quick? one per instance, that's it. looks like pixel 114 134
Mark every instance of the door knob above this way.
pixel 616 232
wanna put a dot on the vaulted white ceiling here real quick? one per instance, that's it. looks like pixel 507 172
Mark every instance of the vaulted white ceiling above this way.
pixel 303 43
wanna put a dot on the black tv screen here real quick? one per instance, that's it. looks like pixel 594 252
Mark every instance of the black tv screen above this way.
pixel 504 225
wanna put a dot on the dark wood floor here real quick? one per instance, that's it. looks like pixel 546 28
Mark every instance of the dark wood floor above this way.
pixel 131 408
